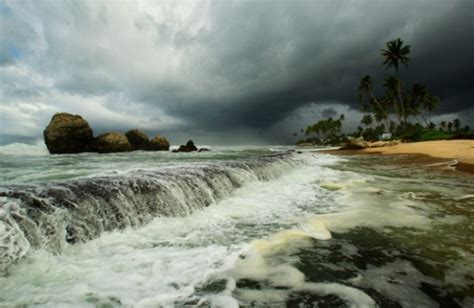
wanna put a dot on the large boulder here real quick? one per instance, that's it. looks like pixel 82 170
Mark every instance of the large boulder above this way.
pixel 67 133
pixel 112 142
pixel 189 147
pixel 159 143
pixel 138 139
pixel 355 144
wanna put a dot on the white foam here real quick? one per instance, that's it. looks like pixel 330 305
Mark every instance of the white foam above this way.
pixel 165 261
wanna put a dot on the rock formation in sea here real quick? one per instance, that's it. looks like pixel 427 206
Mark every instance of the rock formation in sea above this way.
pixel 138 139
pixel 112 142
pixel 67 133
pixel 159 143
pixel 188 147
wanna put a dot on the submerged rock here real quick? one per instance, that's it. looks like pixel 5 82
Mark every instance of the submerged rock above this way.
pixel 159 143
pixel 112 142
pixel 67 133
pixel 189 147
pixel 138 139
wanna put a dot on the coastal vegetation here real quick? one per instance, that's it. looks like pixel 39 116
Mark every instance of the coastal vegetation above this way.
pixel 399 111
pixel 327 132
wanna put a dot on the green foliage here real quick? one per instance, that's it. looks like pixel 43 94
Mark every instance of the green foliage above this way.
pixel 327 131
pixel 418 133
pixel 412 107
pixel 395 53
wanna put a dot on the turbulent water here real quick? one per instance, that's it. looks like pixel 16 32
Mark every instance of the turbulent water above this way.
pixel 248 226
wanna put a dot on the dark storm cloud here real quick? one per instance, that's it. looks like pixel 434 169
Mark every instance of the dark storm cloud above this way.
pixel 217 67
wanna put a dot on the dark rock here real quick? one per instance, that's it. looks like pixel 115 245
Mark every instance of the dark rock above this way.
pixel 138 139
pixel 112 142
pixel 159 143
pixel 67 133
pixel 203 150
pixel 189 147
pixel 355 144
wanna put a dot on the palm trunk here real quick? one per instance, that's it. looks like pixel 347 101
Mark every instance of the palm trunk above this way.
pixel 400 97
pixel 381 108
pixel 424 120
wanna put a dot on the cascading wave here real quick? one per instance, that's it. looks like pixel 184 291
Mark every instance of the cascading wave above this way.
pixel 53 215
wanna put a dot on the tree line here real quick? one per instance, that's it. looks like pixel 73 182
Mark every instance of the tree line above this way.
pixel 401 111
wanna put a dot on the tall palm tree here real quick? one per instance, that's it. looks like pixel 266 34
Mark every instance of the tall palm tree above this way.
pixel 394 54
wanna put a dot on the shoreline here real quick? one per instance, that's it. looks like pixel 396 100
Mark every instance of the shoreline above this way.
pixel 450 154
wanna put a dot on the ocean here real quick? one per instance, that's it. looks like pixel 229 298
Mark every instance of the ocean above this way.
pixel 237 226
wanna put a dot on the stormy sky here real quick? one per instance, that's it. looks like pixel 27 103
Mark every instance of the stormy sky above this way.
pixel 221 72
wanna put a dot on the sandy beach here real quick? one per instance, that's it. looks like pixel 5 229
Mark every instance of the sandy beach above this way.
pixel 460 150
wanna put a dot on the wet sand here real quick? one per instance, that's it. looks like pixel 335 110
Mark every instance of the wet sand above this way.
pixel 447 154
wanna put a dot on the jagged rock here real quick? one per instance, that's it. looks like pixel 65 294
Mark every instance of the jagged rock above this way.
pixel 112 142
pixel 189 147
pixel 67 133
pixel 159 143
pixel 138 139
pixel 355 144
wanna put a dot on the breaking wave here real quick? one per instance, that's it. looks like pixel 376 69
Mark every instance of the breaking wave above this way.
pixel 53 215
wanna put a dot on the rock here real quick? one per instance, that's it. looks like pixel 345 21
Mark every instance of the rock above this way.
pixel 189 147
pixel 67 133
pixel 159 143
pixel 379 144
pixel 138 139
pixel 203 150
pixel 112 142
pixel 355 144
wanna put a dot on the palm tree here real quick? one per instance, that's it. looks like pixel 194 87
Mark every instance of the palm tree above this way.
pixel 391 87
pixel 366 120
pixel 394 54
pixel 442 125
pixel 457 125
pixel 366 87
pixel 450 126
pixel 418 98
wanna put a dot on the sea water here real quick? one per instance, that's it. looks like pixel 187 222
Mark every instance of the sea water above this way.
pixel 235 226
